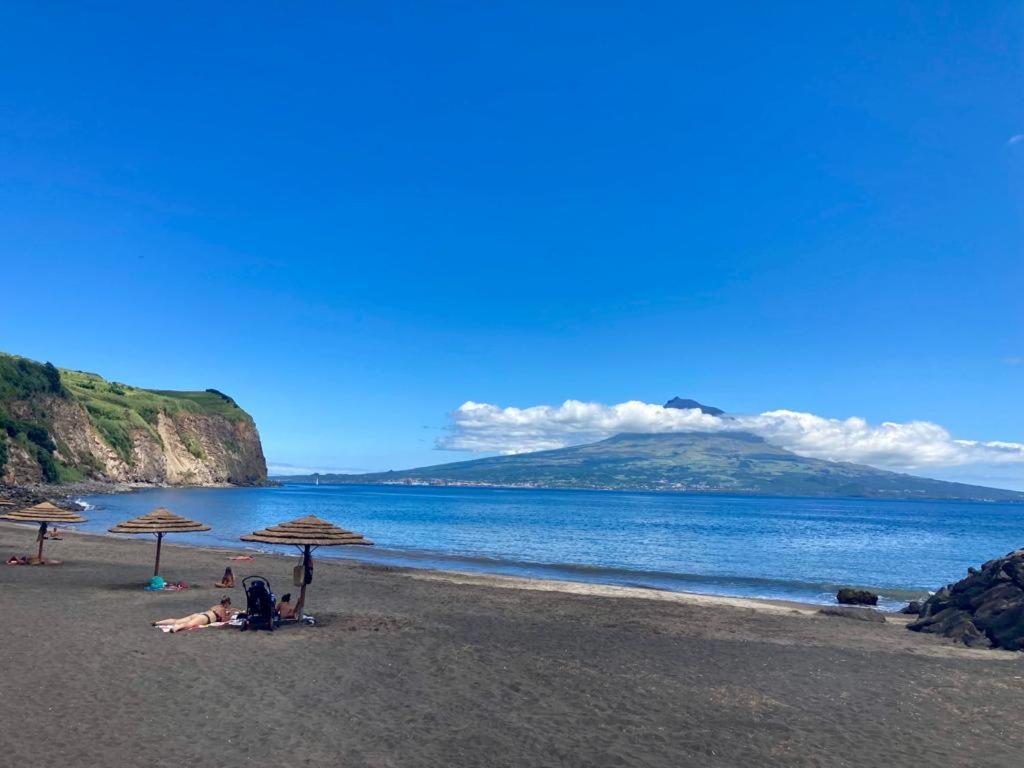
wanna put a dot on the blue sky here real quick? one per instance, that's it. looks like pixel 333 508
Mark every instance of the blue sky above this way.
pixel 355 218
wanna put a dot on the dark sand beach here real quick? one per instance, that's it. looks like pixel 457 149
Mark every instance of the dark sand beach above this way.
pixel 414 668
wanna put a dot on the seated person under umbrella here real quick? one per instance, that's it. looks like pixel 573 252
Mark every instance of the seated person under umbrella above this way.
pixel 285 610
pixel 216 614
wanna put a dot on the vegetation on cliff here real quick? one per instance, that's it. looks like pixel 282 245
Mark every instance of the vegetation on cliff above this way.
pixel 21 380
pixel 39 404
pixel 116 410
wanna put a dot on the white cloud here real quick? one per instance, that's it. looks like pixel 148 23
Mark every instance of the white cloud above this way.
pixel 1017 138
pixel 481 427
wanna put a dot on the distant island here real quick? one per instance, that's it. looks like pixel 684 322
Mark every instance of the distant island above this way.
pixel 704 462
pixel 63 426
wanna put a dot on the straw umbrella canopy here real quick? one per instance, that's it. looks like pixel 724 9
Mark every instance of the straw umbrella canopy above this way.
pixel 307 533
pixel 159 522
pixel 43 513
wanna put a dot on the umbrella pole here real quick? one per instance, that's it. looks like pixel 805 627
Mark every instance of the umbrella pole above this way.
pixel 305 578
pixel 159 541
pixel 42 535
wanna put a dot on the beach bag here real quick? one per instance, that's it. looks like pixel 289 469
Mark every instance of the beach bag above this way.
pixel 297 576
pixel 156 583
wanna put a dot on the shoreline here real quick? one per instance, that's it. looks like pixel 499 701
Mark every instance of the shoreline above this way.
pixel 762 605
pixel 485 578
pixel 793 587
pixel 62 494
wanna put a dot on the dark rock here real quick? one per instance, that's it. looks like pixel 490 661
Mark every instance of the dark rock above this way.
pixel 860 614
pixel 984 610
pixel 954 624
pixel 847 596
pixel 935 603
pixel 679 402
pixel 913 607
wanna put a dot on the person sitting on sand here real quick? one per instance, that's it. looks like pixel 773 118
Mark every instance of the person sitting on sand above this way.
pixel 54 533
pixel 216 614
pixel 284 608
pixel 228 582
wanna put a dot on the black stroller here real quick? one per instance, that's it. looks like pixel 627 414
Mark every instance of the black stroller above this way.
pixel 260 608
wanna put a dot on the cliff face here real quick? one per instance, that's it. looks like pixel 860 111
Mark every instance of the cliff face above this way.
pixel 59 426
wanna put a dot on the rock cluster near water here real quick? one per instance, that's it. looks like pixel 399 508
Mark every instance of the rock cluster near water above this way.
pixel 985 610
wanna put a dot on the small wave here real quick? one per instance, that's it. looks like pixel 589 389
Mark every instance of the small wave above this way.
pixel 822 592
pixel 85 505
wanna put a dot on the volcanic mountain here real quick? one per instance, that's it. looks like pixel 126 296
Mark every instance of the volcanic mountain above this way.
pixel 708 462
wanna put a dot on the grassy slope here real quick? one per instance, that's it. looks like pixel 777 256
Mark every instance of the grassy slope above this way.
pixel 724 462
pixel 116 410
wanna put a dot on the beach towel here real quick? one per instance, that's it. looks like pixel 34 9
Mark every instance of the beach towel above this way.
pixel 167 630
pixel 157 584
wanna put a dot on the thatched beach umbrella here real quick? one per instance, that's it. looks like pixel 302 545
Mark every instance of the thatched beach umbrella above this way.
pixel 43 513
pixel 159 522
pixel 307 533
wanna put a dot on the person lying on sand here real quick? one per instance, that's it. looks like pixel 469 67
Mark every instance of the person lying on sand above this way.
pixel 228 581
pixel 284 608
pixel 15 560
pixel 241 557
pixel 216 614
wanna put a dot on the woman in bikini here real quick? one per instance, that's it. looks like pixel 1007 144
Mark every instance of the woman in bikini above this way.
pixel 216 614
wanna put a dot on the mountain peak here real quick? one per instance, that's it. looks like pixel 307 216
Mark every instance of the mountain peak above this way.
pixel 679 402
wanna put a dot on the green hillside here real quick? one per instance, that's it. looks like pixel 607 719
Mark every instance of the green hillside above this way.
pixel 30 395
pixel 724 462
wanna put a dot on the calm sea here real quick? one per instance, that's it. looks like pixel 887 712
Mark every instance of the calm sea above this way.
pixel 797 549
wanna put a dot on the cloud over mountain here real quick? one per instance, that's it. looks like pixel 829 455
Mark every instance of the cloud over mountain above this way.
pixel 482 427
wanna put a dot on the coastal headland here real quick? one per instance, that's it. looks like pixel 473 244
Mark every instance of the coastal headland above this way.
pixel 413 668
pixel 64 427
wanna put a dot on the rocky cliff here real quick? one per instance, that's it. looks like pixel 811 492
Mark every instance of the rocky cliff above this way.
pixel 65 426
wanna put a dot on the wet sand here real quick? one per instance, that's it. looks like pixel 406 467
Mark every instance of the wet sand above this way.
pixel 419 668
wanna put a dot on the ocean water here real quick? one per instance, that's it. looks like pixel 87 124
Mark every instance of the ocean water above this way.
pixel 790 548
